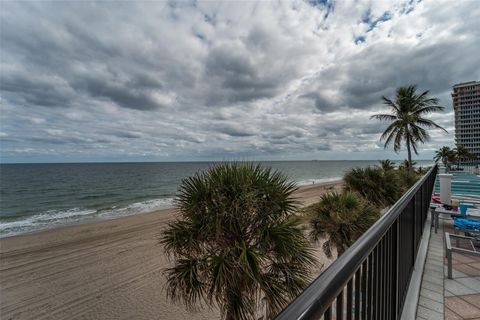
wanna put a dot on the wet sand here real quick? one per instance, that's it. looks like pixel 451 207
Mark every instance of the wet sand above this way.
pixel 103 270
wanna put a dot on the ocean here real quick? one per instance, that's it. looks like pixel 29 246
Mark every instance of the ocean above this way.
pixel 40 196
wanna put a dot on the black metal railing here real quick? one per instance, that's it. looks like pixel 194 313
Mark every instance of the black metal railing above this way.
pixel 370 280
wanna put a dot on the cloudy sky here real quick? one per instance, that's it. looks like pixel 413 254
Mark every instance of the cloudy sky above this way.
pixel 160 81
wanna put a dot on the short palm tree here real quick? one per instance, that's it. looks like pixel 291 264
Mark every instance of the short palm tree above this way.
pixel 407 165
pixel 406 117
pixel 444 154
pixel 422 170
pixel 340 218
pixel 463 154
pixel 236 243
pixel 387 164
pixel 376 185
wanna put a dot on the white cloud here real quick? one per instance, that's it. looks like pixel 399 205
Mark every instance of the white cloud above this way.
pixel 216 80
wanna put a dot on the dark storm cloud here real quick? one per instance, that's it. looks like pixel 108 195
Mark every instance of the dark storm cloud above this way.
pixel 129 135
pixel 321 102
pixel 122 95
pixel 432 67
pixel 63 59
pixel 238 77
pixel 33 90
pixel 235 130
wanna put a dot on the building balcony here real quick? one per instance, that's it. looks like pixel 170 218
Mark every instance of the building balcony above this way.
pixel 396 270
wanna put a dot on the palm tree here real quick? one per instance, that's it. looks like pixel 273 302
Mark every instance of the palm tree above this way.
pixel 422 170
pixel 387 164
pixel 376 185
pixel 407 165
pixel 341 218
pixel 444 154
pixel 237 242
pixel 407 119
pixel 463 153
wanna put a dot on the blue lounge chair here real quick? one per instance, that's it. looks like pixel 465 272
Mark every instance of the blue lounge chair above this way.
pixel 467 224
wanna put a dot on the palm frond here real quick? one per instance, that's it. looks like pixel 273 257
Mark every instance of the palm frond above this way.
pixel 384 117
pixel 429 124
pixel 341 214
pixel 406 119
pixel 235 222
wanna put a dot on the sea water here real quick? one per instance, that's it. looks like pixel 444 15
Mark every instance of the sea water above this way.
pixel 41 196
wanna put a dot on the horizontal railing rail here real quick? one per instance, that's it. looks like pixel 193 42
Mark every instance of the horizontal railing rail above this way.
pixel 370 279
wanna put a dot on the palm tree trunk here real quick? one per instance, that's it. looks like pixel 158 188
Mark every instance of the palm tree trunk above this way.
pixel 410 169
pixel 229 315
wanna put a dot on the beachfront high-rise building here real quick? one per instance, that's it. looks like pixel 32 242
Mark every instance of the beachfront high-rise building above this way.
pixel 466 103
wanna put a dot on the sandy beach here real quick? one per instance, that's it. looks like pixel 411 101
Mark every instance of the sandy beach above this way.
pixel 104 270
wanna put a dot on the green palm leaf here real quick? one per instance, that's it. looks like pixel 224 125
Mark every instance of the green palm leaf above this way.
pixel 407 119
pixel 237 242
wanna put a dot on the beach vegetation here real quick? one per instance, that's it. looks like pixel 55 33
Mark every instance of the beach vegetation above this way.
pixel 387 165
pixel 376 185
pixel 237 244
pixel 422 170
pixel 407 121
pixel 340 219
pixel 406 179
pixel 462 154
pixel 444 155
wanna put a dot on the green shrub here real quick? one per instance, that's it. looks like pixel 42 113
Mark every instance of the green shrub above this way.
pixel 377 186
pixel 340 218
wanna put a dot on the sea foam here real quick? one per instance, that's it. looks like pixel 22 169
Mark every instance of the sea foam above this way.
pixel 55 218
pixel 307 182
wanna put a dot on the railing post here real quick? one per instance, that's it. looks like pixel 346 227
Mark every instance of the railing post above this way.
pixel 421 208
pixel 395 295
pixel 413 208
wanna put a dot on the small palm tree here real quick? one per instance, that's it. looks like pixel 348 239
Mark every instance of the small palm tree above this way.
pixel 422 170
pixel 407 122
pixel 463 154
pixel 387 164
pixel 445 155
pixel 405 178
pixel 376 185
pixel 340 218
pixel 407 165
pixel 237 242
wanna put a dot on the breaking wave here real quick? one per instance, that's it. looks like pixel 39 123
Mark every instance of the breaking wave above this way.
pixel 55 218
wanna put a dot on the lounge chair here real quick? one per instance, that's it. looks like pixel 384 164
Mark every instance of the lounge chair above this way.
pixel 467 225
pixel 449 249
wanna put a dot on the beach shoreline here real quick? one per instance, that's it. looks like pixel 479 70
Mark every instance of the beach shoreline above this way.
pixel 103 269
pixel 32 224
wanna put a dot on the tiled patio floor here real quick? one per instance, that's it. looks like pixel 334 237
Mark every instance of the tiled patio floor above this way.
pixel 443 298
pixel 462 293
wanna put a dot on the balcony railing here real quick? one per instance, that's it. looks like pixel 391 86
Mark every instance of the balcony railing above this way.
pixel 370 280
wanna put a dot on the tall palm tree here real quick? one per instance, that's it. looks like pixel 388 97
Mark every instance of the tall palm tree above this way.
pixel 341 218
pixel 406 117
pixel 444 154
pixel 462 153
pixel 237 242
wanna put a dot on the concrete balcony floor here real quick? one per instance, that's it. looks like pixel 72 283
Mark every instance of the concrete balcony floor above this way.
pixel 443 298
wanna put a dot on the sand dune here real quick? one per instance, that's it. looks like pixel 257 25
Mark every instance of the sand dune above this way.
pixel 105 270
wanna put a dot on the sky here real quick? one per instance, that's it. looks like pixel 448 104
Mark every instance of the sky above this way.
pixel 234 80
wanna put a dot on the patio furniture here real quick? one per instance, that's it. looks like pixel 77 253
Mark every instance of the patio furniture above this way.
pixel 438 210
pixel 449 249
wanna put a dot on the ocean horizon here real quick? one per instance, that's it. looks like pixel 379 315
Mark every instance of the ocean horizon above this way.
pixel 38 196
